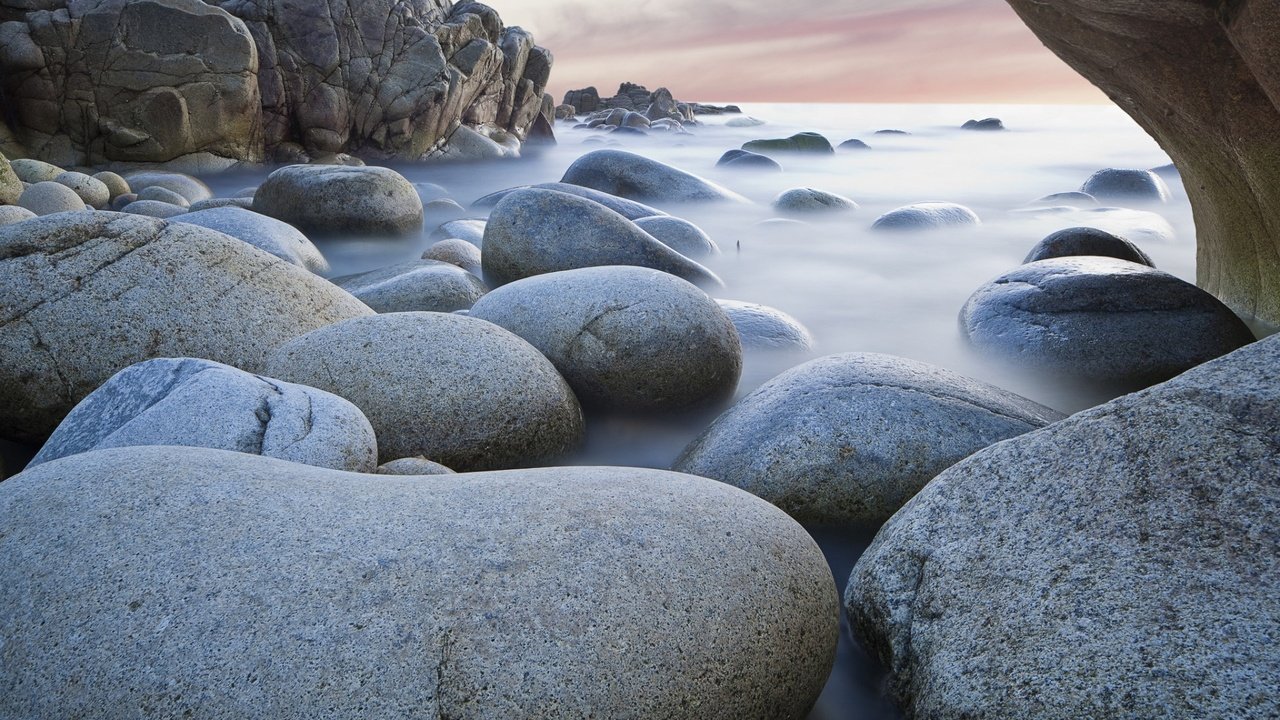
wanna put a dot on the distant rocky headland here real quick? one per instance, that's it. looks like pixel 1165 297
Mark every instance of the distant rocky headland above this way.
pixel 631 96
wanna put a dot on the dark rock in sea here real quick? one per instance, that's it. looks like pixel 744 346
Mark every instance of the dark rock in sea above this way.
pixel 742 159
pixel 1071 198
pixel 638 178
pixel 853 144
pixel 805 142
pixel 986 124
pixel 892 132
pixel 1126 186
pixel 1087 241
pixel 927 216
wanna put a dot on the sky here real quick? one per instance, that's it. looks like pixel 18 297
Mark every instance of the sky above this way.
pixel 933 51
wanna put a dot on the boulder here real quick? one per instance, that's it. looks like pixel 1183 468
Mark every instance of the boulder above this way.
pixel 116 184
pixel 638 178
pixel 344 596
pixel 456 252
pixel 1087 241
pixel 805 142
pixel 1126 186
pixel 744 160
pixel 265 233
pixel 335 199
pixel 532 232
pixel 628 209
pixel 853 144
pixel 1119 563
pixel 986 124
pixel 810 201
pixel 198 403
pixel 154 209
pixel 625 338
pixel 33 171
pixel 48 197
pixel 11 186
pixel 10 214
pixel 761 327
pixel 927 216
pixel 417 285
pixel 413 466
pixel 1100 320
pixel 848 439
pixel 1072 198
pixel 470 230
pixel 680 235
pixel 745 122
pixel 92 192
pixel 193 189
pixel 442 210
pixel 164 195
pixel 127 288
pixel 461 391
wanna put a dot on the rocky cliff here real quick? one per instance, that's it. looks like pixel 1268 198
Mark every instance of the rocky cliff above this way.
pixel 206 84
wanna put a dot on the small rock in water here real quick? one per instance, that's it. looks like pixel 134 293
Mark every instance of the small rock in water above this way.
pixel 927 216
pixel 761 327
pixel 92 192
pixel 532 232
pixel 164 195
pixel 638 178
pixel 747 121
pixel 853 144
pixel 892 132
pixel 462 391
pixel 48 197
pixel 680 235
pixel 625 338
pixel 1100 320
pixel 457 252
pixel 413 466
pixel 415 286
pixel 808 201
pixel 154 209
pixel 986 124
pixel 805 142
pixel 334 200
pixel 429 191
pixel 198 403
pixel 268 234
pixel 628 209
pixel 1127 186
pixel 468 229
pixel 848 439
pixel 443 210
pixel 188 187
pixel 1087 241
pixel 1070 198
pixel 743 159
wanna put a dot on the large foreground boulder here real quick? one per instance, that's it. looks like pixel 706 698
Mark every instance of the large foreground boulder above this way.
pixel 337 200
pixel 638 178
pixel 173 581
pixel 85 295
pixel 1121 563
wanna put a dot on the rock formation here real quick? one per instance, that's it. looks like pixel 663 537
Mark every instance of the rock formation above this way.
pixel 631 96
pixel 1204 79
pixel 209 84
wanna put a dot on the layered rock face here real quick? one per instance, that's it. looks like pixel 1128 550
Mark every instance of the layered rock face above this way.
pixel 207 84
pixel 1204 79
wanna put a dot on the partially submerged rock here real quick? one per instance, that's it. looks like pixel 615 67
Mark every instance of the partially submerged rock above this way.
pixel 805 142
pixel 1075 241
pixel 927 216
pixel 638 178
pixel 332 200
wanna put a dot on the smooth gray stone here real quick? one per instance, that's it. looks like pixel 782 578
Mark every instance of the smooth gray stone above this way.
pixel 413 466
pixel 744 159
pixel 154 209
pixel 164 195
pixel 628 209
pixel 11 186
pixel 1072 198
pixel 198 403
pixel 1087 241
pixel 92 192
pixel 680 235
pixel 461 391
pixel 469 229
pixel 336 200
pixel 34 171
pixel 456 252
pixel 162 581
pixel 120 202
pixel 417 285
pixel 116 184
pixel 853 144
pixel 625 338
pixel 810 201
pixel 1121 563
pixel 1127 186
pixel 192 189
pixel 48 198
pixel 638 178
pixel 848 439
pixel 443 210
pixel 212 203
pixel 927 216
pixel 761 327
pixel 10 214
pixel 128 288
pixel 1100 320
pixel 533 232
pixel 984 125
pixel 265 233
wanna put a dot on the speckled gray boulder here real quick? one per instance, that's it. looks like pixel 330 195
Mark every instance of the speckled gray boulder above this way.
pixel 628 209
pixel 927 216
pixel 164 195
pixel 268 234
pixel 161 581
pixel 532 232
pixel 11 186
pixel 468 229
pixel 193 189
pixel 1087 241
pixel 128 288
pixel 34 171
pixel 10 214
pixel 92 192
pixel 456 252
pixel 154 209
pixel 764 328
pixel 413 466
pixel 461 391
pixel 417 285
pixel 626 338
pixel 847 439
pixel 333 199
pixel 1100 320
pixel 744 159
pixel 809 201
pixel 638 178
pixel 48 197
pixel 212 203
pixel 116 184
pixel 680 235
pixel 198 403
pixel 1119 564
pixel 1126 186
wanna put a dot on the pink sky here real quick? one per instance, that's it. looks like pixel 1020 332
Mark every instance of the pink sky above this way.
pixel 807 51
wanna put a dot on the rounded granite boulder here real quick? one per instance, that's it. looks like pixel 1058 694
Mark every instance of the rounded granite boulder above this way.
pixel 183 581
pixel 413 466
pixel 848 439
pixel 456 252
pixel 625 338
pixel 1087 241
pixel 761 327
pixel 193 189
pixel 126 289
pixel 417 285
pixel 809 201
pixel 92 192
pixel 680 235
pixel 1126 186
pixel 638 178
pixel 198 403
pixel 48 198
pixel 629 209
pixel 336 199
pixel 10 214
pixel 532 232
pixel 461 391
pixel 927 216
pixel 1099 320
pixel 265 233
pixel 747 160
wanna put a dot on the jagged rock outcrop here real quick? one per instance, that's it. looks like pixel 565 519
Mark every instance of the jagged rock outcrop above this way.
pixel 1204 79
pixel 209 84
pixel 631 96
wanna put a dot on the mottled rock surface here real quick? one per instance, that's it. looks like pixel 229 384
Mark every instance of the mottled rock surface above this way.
pixel 417 285
pixel 334 200
pixel 265 233
pixel 764 328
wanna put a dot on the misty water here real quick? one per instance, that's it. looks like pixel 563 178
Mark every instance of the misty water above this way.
pixel 854 289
